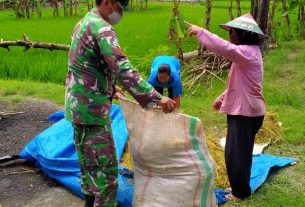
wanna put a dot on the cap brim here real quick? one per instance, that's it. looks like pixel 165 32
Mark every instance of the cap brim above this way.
pixel 228 28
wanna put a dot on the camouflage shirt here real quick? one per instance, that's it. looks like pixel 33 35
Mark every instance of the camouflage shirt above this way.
pixel 95 60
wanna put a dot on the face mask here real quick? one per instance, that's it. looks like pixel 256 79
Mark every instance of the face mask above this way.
pixel 114 17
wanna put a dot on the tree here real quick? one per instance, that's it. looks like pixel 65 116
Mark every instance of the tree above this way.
pixel 90 4
pixel 300 4
pixel 237 7
pixel 55 11
pixel 177 29
pixel 260 11
pixel 19 9
pixel 76 2
pixel 286 15
pixel 208 14
pixel 271 25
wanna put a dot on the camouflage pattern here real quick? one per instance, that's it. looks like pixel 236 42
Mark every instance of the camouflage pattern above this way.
pixel 97 157
pixel 95 60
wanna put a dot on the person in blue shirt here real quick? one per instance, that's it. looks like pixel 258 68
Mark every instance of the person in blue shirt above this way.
pixel 165 73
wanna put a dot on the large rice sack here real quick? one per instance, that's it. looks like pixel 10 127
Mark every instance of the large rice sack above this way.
pixel 173 167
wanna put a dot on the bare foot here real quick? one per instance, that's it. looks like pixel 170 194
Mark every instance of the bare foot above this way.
pixel 231 197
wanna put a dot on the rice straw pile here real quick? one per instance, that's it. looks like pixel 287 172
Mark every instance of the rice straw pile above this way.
pixel 126 160
pixel 270 132
pixel 216 151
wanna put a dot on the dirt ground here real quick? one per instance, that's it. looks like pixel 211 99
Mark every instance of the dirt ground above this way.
pixel 21 183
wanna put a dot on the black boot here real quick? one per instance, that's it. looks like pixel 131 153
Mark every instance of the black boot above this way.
pixel 89 201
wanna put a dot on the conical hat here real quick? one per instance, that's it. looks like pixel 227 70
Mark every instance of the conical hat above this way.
pixel 245 22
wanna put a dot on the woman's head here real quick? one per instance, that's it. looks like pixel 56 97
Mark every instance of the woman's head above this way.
pixel 244 30
pixel 243 37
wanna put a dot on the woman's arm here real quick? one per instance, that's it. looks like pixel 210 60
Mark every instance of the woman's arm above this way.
pixel 220 46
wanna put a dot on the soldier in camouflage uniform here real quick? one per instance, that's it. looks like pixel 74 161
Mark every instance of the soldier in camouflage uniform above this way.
pixel 95 60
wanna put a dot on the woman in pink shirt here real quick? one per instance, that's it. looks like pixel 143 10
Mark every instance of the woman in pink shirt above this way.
pixel 242 100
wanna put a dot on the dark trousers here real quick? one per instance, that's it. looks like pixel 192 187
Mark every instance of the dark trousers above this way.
pixel 170 91
pixel 238 152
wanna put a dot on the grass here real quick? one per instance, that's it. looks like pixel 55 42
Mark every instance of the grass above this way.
pixel 142 35
pixel 284 87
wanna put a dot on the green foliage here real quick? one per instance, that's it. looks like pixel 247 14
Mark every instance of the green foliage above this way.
pixel 293 4
pixel 178 26
pixel 139 33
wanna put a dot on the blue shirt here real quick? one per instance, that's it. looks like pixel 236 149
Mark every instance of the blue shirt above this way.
pixel 174 81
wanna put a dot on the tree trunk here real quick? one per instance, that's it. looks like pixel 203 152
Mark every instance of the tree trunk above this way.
pixel 208 9
pixel 230 10
pixel 64 2
pixel 178 41
pixel 71 7
pixel 38 4
pixel 285 10
pixel 208 14
pixel 27 9
pixel 238 8
pixel 141 5
pixel 75 7
pixel 302 19
pixel 131 5
pixel 17 9
pixel 89 4
pixel 254 8
pixel 260 12
pixel 271 27
pixel 56 12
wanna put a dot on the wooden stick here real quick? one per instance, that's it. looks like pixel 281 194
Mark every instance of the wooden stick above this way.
pixel 11 113
pixel 29 44
pixel 216 76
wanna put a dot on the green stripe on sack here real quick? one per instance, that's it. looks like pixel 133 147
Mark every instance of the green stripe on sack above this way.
pixel 204 162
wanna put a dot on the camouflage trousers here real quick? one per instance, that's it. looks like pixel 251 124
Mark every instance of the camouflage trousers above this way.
pixel 98 164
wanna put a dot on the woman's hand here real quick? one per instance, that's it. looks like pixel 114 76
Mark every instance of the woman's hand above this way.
pixel 216 105
pixel 193 29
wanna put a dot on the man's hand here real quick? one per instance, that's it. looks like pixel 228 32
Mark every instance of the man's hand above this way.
pixel 118 92
pixel 167 104
pixel 216 105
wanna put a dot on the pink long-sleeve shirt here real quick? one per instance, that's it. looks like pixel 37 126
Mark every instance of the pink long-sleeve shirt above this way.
pixel 243 95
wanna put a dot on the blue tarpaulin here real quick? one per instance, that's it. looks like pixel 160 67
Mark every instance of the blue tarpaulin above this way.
pixel 53 151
